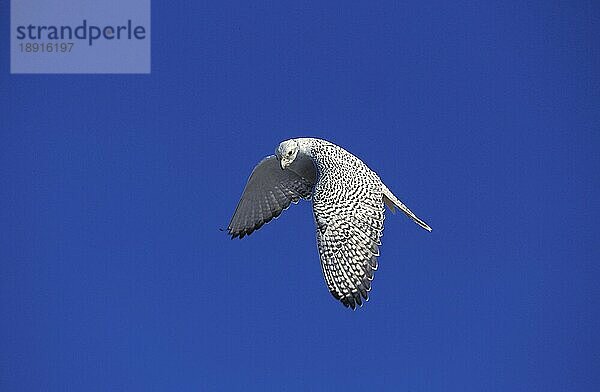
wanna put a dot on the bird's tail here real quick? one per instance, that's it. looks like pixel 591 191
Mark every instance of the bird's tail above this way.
pixel 392 201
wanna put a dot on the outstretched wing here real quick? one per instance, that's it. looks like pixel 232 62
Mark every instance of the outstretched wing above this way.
pixel 269 191
pixel 349 217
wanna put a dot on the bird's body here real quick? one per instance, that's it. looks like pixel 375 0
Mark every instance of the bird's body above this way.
pixel 348 207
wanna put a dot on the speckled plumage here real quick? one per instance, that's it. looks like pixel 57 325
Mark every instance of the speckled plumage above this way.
pixel 348 207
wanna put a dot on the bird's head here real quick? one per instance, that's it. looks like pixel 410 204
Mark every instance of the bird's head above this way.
pixel 286 152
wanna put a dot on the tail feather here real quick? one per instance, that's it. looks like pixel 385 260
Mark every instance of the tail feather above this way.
pixel 392 201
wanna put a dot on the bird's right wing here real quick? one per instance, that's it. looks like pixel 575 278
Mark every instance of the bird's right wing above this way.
pixel 269 191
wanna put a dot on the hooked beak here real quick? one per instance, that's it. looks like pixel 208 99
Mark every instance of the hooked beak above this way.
pixel 283 163
pixel 279 157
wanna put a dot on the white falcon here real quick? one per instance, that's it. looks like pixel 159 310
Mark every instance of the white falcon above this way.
pixel 348 206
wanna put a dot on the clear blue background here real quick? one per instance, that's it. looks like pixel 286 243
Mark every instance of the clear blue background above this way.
pixel 483 118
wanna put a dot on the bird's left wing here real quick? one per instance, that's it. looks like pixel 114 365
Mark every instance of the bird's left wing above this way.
pixel 269 191
pixel 349 217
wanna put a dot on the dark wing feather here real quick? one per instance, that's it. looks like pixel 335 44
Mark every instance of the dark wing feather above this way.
pixel 269 191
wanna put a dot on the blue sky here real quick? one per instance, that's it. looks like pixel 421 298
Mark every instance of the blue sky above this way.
pixel 483 118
